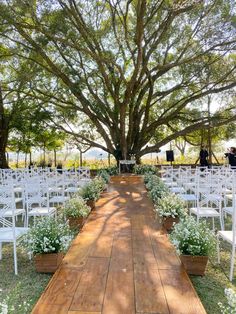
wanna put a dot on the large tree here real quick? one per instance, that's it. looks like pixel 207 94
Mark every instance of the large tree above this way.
pixel 132 67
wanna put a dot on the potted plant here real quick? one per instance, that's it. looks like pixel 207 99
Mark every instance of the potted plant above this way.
pixel 76 211
pixel 47 241
pixel 194 242
pixel 90 193
pixel 143 169
pixel 104 175
pixel 170 208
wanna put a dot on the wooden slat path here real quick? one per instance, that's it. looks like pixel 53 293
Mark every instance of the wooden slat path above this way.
pixel 121 263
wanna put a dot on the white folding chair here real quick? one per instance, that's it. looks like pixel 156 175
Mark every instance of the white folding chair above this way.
pixel 229 236
pixel 37 200
pixel 9 233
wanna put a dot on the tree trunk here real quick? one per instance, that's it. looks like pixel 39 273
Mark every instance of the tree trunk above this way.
pixel 4 131
pixel 44 154
pixel 30 158
pixel 3 159
pixel 80 158
pixel 55 157
pixel 25 160
pixel 3 145
pixel 17 159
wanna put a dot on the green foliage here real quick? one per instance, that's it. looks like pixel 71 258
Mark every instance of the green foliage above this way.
pixel 104 175
pixel 76 207
pixel 192 238
pixel 93 189
pixel 48 235
pixel 143 169
pixel 170 205
pixel 112 171
pixel 156 188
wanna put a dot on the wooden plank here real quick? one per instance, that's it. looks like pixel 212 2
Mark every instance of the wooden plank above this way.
pixel 79 312
pixel 149 292
pixel 44 308
pixel 79 251
pixel 145 260
pixel 180 294
pixel 90 292
pixel 119 295
pixel 63 288
pixel 165 254
pixel 102 247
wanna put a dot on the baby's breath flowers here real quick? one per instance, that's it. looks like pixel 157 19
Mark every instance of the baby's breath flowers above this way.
pixel 48 235
pixel 231 300
pixel 192 238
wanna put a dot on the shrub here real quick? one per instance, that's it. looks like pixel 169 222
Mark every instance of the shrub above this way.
pixel 104 175
pixel 170 205
pixel 76 207
pixel 143 169
pixel 112 171
pixel 48 235
pixel 192 238
pixel 92 190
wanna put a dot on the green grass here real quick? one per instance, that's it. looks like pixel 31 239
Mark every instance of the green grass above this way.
pixel 20 292
pixel 210 287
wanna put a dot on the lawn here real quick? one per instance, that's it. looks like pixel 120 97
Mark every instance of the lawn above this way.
pixel 22 291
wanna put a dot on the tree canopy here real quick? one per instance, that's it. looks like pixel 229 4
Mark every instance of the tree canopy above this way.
pixel 134 68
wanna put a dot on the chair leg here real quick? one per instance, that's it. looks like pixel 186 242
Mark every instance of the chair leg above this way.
pixel 231 273
pixel 218 249
pixel 15 258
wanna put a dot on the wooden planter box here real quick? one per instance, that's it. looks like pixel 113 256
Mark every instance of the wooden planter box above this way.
pixel 169 222
pixel 48 263
pixel 194 265
pixel 91 204
pixel 76 222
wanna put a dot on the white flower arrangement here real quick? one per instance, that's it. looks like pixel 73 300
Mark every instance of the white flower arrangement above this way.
pixel 143 169
pixel 231 300
pixel 92 190
pixel 170 205
pixel 3 308
pixel 76 207
pixel 48 235
pixel 192 238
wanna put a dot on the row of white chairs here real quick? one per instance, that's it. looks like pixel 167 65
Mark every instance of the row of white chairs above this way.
pixel 34 193
pixel 211 193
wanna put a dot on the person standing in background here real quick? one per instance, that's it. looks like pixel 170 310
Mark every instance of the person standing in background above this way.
pixel 204 157
pixel 231 156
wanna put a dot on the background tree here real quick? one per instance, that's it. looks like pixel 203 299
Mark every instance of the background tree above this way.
pixel 132 67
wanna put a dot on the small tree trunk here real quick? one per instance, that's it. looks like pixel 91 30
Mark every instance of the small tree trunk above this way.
pixel 44 154
pixel 3 160
pixel 3 145
pixel 30 157
pixel 26 160
pixel 55 157
pixel 17 159
pixel 80 158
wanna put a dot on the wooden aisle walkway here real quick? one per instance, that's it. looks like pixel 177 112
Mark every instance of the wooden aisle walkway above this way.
pixel 121 262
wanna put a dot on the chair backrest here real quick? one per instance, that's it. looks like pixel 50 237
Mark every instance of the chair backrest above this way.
pixel 7 203
pixel 84 173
